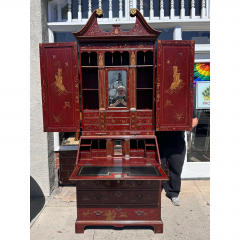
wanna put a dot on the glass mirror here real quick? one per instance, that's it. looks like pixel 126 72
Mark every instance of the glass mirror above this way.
pixel 117 147
pixel 117 88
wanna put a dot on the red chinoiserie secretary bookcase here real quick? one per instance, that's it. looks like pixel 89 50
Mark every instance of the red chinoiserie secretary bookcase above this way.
pixel 125 87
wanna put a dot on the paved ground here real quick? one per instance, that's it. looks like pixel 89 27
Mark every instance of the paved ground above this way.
pixel 191 220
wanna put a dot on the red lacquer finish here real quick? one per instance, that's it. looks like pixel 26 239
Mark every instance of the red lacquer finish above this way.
pixel 118 167
pixel 60 87
pixel 175 74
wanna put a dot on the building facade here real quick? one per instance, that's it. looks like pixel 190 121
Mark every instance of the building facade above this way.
pixel 53 154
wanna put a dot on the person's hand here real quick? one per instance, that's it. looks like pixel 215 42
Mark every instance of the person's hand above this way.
pixel 123 102
pixel 194 122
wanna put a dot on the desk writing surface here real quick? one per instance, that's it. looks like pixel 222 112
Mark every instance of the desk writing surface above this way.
pixel 108 170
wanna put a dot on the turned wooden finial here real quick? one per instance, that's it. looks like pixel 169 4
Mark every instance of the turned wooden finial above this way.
pixel 99 12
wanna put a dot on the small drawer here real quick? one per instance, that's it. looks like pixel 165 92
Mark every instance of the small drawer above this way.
pixel 99 154
pixel 144 120
pixel 91 127
pixel 150 154
pixel 117 114
pixel 97 184
pixel 117 120
pixel 139 184
pixel 136 153
pixel 85 155
pixel 91 121
pixel 144 127
pixel 90 114
pixel 118 127
pixel 144 113
pixel 118 212
pixel 117 197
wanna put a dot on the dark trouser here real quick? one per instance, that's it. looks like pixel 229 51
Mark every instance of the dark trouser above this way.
pixel 175 157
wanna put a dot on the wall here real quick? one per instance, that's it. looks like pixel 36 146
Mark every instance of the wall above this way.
pixel 41 144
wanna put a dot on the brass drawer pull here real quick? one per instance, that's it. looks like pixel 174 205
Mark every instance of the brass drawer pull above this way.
pixel 139 213
pixel 98 212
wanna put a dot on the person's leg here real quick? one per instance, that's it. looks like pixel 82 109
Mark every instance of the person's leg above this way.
pixel 176 161
pixel 163 158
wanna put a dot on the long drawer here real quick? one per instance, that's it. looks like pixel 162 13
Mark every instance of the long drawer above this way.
pixel 116 184
pixel 91 121
pixel 117 120
pixel 144 120
pixel 144 113
pixel 90 114
pixel 118 127
pixel 117 197
pixel 91 127
pixel 117 114
pixel 144 127
pixel 118 212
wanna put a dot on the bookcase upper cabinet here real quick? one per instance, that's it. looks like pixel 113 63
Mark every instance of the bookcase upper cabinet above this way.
pixel 117 93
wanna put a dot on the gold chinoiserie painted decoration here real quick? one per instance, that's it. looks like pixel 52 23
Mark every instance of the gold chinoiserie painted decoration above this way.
pixel 57 118
pixel 100 62
pixel 178 116
pixel 67 104
pixel 168 103
pixel 110 215
pixel 177 83
pixel 58 86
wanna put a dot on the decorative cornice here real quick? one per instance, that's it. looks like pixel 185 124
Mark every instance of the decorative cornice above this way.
pixel 141 30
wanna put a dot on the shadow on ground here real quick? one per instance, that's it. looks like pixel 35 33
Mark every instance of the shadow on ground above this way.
pixel 37 199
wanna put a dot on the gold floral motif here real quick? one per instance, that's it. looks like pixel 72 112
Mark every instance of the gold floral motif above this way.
pixel 110 215
pixel 168 103
pixel 57 118
pixel 180 54
pixel 177 83
pixel 123 214
pixel 86 213
pixel 158 97
pixel 168 61
pixel 85 198
pixel 67 104
pixel 116 31
pixel 178 116
pixel 54 56
pixel 66 64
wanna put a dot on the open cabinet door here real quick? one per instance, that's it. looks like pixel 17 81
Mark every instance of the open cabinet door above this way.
pixel 60 87
pixel 174 92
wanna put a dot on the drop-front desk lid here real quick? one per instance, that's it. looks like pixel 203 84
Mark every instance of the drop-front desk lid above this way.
pixel 122 172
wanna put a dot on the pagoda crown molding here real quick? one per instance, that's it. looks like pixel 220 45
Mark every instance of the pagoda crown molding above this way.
pixel 141 31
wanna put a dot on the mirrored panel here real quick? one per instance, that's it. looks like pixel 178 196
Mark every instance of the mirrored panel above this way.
pixel 117 88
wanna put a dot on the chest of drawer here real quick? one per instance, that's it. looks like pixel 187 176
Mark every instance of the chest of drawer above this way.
pixel 117 197
pixel 91 127
pixel 139 184
pixel 85 155
pixel 117 121
pixel 117 114
pixel 91 121
pixel 118 212
pixel 90 114
pixel 144 120
pixel 97 184
pixel 150 154
pixel 99 153
pixel 136 153
pixel 144 127
pixel 117 127
pixel 144 113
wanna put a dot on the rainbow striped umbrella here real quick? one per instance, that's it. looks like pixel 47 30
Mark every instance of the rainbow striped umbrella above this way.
pixel 202 72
